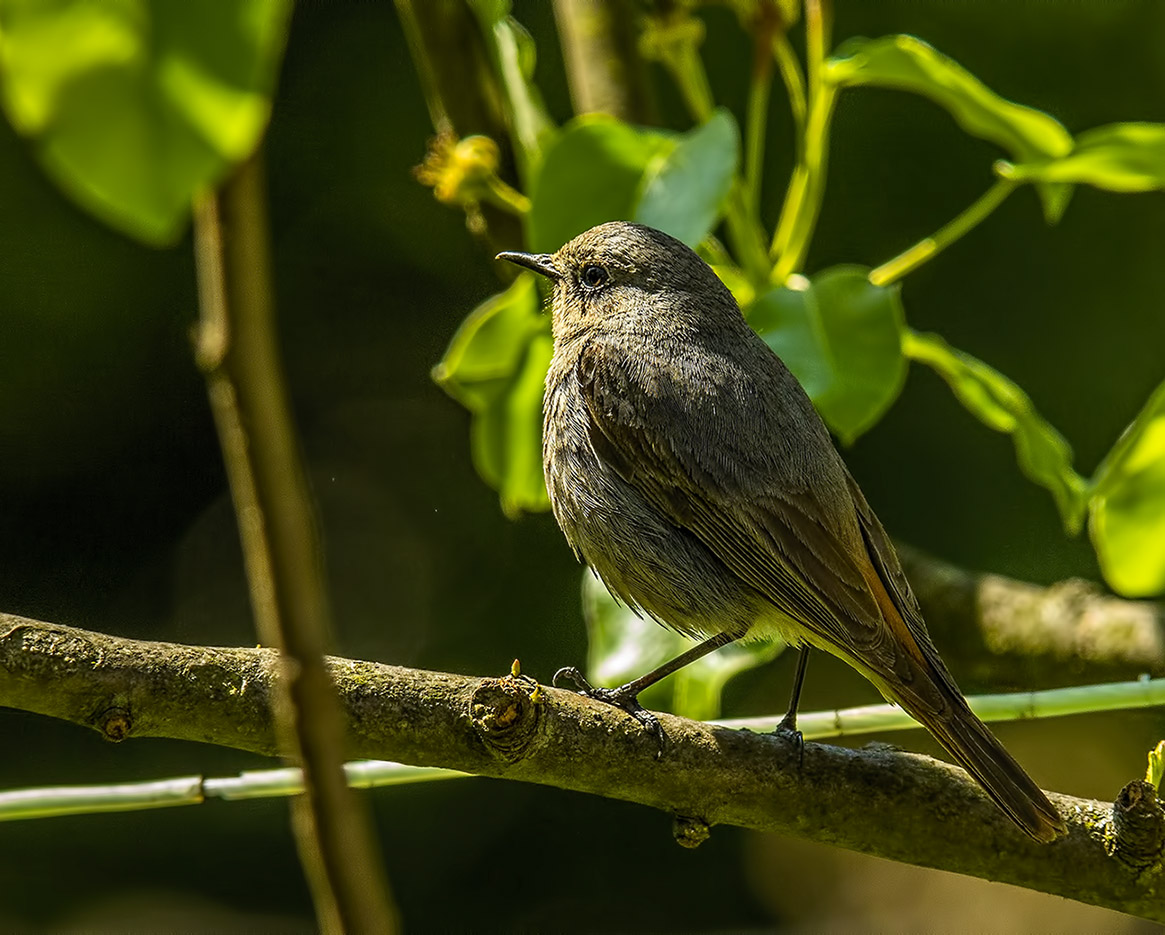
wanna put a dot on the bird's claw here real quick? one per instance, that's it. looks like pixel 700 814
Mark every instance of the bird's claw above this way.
pixel 787 731
pixel 616 697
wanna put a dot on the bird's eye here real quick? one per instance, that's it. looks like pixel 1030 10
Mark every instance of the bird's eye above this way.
pixel 594 276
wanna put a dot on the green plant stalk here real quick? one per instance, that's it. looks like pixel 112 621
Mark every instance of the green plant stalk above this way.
pixel 909 260
pixel 687 70
pixel 366 774
pixel 806 191
pixel 756 121
pixel 55 801
pixel 794 81
pixel 807 186
pixel 1018 706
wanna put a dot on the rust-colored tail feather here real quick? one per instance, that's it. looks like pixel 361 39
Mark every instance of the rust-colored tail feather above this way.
pixel 975 748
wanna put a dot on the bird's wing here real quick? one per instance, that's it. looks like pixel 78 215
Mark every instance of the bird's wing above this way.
pixel 812 548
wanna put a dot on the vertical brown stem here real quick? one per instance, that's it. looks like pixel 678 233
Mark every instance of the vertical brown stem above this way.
pixel 603 66
pixel 237 349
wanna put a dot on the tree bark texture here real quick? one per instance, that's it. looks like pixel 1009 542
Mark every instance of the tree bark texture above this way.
pixel 876 799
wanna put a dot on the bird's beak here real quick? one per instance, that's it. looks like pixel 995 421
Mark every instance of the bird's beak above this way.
pixel 539 262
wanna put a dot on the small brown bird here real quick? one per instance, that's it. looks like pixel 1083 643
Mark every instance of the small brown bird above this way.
pixel 688 468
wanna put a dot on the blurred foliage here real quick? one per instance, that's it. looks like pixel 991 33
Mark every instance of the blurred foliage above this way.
pixel 1128 504
pixel 841 337
pixel 622 645
pixel 136 105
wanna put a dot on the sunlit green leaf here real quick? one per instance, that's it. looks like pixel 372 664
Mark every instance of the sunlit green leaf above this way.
pixel 842 338
pixel 909 64
pixel 1043 454
pixel 136 105
pixel 623 646
pixel 599 169
pixel 495 366
pixel 1127 510
pixel 593 172
pixel 684 189
pixel 1122 157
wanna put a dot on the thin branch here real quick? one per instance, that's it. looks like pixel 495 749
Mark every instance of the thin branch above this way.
pixel 507 727
pixel 237 348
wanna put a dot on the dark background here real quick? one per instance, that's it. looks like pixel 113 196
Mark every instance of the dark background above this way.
pixel 114 514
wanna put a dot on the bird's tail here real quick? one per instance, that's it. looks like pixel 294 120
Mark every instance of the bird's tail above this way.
pixel 975 748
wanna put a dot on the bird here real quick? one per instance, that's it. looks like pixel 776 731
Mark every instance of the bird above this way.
pixel 688 468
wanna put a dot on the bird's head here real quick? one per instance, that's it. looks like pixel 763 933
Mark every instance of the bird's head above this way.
pixel 624 276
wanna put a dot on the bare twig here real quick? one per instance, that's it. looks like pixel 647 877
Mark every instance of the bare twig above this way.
pixel 876 799
pixel 237 349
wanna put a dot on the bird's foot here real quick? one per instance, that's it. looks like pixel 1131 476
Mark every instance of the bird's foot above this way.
pixel 620 698
pixel 787 731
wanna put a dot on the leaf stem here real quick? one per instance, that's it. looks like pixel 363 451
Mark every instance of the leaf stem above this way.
pixel 909 260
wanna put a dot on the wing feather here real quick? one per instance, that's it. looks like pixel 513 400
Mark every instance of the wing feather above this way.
pixel 795 539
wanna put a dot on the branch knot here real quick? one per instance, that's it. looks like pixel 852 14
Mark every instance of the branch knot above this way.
pixel 506 714
pixel 1138 826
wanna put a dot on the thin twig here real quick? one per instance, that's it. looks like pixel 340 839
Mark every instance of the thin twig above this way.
pixel 237 348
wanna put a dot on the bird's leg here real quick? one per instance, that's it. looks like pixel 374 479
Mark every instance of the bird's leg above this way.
pixel 626 697
pixel 788 726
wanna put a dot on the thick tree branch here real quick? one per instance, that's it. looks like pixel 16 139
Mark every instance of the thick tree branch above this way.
pixel 876 799
pixel 980 619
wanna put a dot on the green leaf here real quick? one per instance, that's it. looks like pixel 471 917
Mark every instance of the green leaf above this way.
pixel 685 189
pixel 1043 454
pixel 909 64
pixel 600 169
pixel 623 646
pixel 842 338
pixel 592 173
pixel 1121 157
pixel 1127 509
pixel 136 105
pixel 496 366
